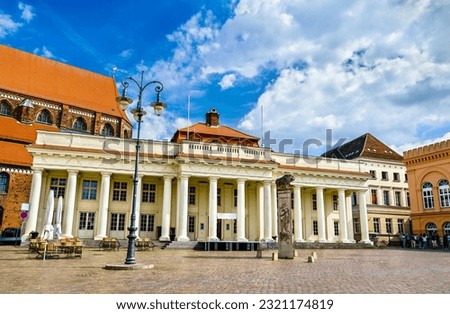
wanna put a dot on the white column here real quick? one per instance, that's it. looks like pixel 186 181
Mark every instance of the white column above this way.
pixel 183 213
pixel 241 211
pixel 298 219
pixel 363 218
pixel 267 212
pixel 343 236
pixel 138 204
pixel 274 210
pixel 103 206
pixel 70 203
pixel 321 215
pixel 212 229
pixel 380 198
pixel 167 203
pixel 403 201
pixel 349 209
pixel 391 197
pixel 35 196
pixel 261 210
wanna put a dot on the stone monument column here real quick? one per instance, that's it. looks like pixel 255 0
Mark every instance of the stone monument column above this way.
pixel 285 235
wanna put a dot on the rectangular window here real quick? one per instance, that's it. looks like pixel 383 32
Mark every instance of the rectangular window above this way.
pixel 400 224
pixel 117 222
pixel 234 226
pixel 235 197
pixel 408 202
pixel 149 193
pixel 4 178
pixel 120 191
pixel 58 185
pixel 406 177
pixel 192 195
pixel 147 222
pixel 354 199
pixel 386 198
pixel 373 193
pixel 373 174
pixel 86 221
pixel 396 176
pixel 219 197
pixel 335 203
pixel 89 190
pixel 314 202
pixel 398 197
pixel 384 175
pixel 376 225
pixel 388 225
pixel 336 228
pixel 356 225
pixel 315 227
pixel 191 224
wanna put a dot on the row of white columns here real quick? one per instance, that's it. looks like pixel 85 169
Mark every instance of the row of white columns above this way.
pixel 267 205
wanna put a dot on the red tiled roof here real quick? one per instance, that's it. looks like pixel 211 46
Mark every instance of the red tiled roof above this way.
pixel 16 154
pixel 32 75
pixel 220 130
pixel 11 129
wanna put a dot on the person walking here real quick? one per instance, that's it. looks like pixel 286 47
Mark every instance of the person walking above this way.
pixel 425 241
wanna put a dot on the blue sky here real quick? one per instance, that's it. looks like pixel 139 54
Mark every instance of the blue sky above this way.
pixel 295 68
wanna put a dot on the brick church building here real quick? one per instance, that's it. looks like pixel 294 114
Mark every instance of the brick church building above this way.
pixel 37 93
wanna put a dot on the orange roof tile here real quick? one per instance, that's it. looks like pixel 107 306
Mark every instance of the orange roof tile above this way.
pixel 11 129
pixel 220 130
pixel 15 154
pixel 32 75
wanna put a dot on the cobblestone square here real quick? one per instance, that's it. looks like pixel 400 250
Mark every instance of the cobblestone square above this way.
pixel 338 271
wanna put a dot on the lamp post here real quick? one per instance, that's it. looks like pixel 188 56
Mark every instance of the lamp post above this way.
pixel 138 113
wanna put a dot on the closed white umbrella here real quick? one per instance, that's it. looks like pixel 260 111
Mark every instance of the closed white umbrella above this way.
pixel 59 207
pixel 47 232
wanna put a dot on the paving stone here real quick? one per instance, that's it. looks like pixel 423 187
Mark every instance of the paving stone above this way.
pixel 342 271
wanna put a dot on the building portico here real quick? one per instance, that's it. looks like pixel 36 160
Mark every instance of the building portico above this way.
pixel 189 192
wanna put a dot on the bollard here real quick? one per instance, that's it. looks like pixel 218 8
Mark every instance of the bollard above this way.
pixel 275 256
pixel 259 254
pixel 314 255
pixel 311 259
pixel 295 253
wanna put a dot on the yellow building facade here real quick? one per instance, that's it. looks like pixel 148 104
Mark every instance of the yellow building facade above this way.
pixel 428 170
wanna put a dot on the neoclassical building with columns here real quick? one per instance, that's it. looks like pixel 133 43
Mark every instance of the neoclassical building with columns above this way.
pixel 219 188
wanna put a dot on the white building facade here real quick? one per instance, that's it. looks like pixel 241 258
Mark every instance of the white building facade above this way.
pixel 191 191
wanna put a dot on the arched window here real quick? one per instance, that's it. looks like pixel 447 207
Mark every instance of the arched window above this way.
pixel 107 130
pixel 447 228
pixel 44 117
pixel 427 193
pixel 80 125
pixel 431 228
pixel 5 109
pixel 444 193
pixel 4 181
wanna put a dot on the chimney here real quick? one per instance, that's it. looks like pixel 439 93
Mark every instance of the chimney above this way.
pixel 212 118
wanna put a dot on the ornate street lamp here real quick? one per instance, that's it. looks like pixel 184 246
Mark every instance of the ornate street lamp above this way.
pixel 138 113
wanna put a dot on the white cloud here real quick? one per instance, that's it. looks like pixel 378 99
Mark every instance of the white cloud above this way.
pixel 227 81
pixel 126 53
pixel 7 25
pixel 351 66
pixel 27 12
pixel 44 52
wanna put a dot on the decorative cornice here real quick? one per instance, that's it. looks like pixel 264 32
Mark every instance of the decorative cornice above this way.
pixel 83 113
pixel 16 170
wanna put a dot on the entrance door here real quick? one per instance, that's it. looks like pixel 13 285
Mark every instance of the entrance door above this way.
pixel 147 226
pixel 86 225
pixel 117 226
pixel 219 229
pixel 191 228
